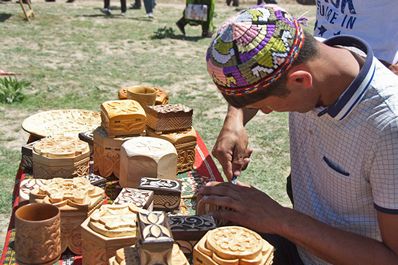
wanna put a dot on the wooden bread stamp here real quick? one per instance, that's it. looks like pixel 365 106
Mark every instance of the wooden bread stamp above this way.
pixel 108 229
pixel 167 192
pixel 232 245
pixel 146 156
pixel 169 117
pixel 122 117
pixel 155 239
pixel 76 199
pixel 184 142
pixel 140 198
pixel 60 156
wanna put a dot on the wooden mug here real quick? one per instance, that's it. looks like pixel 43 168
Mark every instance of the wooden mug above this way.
pixel 145 95
pixel 37 234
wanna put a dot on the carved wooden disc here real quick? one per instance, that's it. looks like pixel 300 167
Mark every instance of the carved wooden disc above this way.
pixel 234 242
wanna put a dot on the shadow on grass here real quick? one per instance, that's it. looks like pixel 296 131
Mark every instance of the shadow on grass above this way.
pixel 4 16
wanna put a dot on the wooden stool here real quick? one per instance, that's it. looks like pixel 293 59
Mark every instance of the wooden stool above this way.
pixel 28 12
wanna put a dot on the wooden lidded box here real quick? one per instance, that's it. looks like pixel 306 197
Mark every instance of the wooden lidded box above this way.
pixel 129 256
pixel 60 156
pixel 108 229
pixel 107 152
pixel 169 117
pixel 146 157
pixel 167 192
pixel 184 142
pixel 76 199
pixel 232 245
pixel 140 198
pixel 122 117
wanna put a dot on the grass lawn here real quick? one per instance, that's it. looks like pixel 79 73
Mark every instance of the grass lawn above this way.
pixel 75 57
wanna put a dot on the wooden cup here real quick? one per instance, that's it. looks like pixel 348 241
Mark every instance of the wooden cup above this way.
pixel 143 94
pixel 38 234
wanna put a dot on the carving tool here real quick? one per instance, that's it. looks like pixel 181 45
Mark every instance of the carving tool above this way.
pixel 234 179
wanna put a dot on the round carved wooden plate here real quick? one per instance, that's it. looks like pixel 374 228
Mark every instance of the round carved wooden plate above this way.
pixel 67 122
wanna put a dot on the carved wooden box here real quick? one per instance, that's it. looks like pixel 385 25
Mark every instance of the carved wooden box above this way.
pixel 191 227
pixel 122 117
pixel 169 117
pixel 107 153
pixel 27 157
pixel 96 180
pixel 140 198
pixel 129 256
pixel 108 229
pixel 232 245
pixel 155 238
pixel 184 142
pixel 167 192
pixel 76 198
pixel 60 156
pixel 146 156
pixel 27 185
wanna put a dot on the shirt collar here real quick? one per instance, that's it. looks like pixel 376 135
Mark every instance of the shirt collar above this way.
pixel 354 93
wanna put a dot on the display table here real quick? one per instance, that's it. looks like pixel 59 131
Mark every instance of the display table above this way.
pixel 205 170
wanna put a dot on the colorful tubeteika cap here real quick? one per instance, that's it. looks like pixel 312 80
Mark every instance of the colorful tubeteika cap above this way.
pixel 253 49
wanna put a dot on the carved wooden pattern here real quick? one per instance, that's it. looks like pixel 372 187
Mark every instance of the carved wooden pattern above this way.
pixel 122 117
pixel 67 122
pixel 162 96
pixel 39 244
pixel 232 245
pixel 156 240
pixel 191 227
pixel 169 117
pixel 27 157
pixel 61 156
pixel 167 193
pixel 27 185
pixel 115 220
pixel 96 180
pixel 107 153
pixel 140 198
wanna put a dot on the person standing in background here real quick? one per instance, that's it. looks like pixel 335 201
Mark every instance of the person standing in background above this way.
pixel 149 6
pixel 136 4
pixel 373 21
pixel 107 10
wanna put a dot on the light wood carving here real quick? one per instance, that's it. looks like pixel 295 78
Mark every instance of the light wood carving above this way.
pixel 107 152
pixel 61 156
pixel 27 185
pixel 184 142
pixel 232 245
pixel 140 198
pixel 76 198
pixel 146 157
pixel 122 117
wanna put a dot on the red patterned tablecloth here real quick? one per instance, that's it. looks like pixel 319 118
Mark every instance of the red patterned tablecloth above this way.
pixel 204 167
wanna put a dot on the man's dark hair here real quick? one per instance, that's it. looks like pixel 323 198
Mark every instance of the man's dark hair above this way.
pixel 277 88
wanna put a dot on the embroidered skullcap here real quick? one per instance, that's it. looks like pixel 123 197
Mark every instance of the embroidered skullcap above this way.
pixel 253 49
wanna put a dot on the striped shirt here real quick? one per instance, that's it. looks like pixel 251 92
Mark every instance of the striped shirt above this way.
pixel 344 158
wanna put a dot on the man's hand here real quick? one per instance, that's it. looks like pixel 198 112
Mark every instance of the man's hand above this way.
pixel 231 148
pixel 244 205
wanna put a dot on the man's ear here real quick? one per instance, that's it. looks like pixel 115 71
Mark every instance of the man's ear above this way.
pixel 299 78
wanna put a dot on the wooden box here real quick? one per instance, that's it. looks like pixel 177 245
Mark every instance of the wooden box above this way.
pixel 27 157
pixel 146 157
pixel 122 117
pixel 96 180
pixel 167 192
pixel 232 245
pixel 77 199
pixel 184 142
pixel 140 198
pixel 166 118
pixel 191 227
pixel 60 156
pixel 155 238
pixel 108 229
pixel 129 256
pixel 107 153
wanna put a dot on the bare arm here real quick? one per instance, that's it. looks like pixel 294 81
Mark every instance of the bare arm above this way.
pixel 231 148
